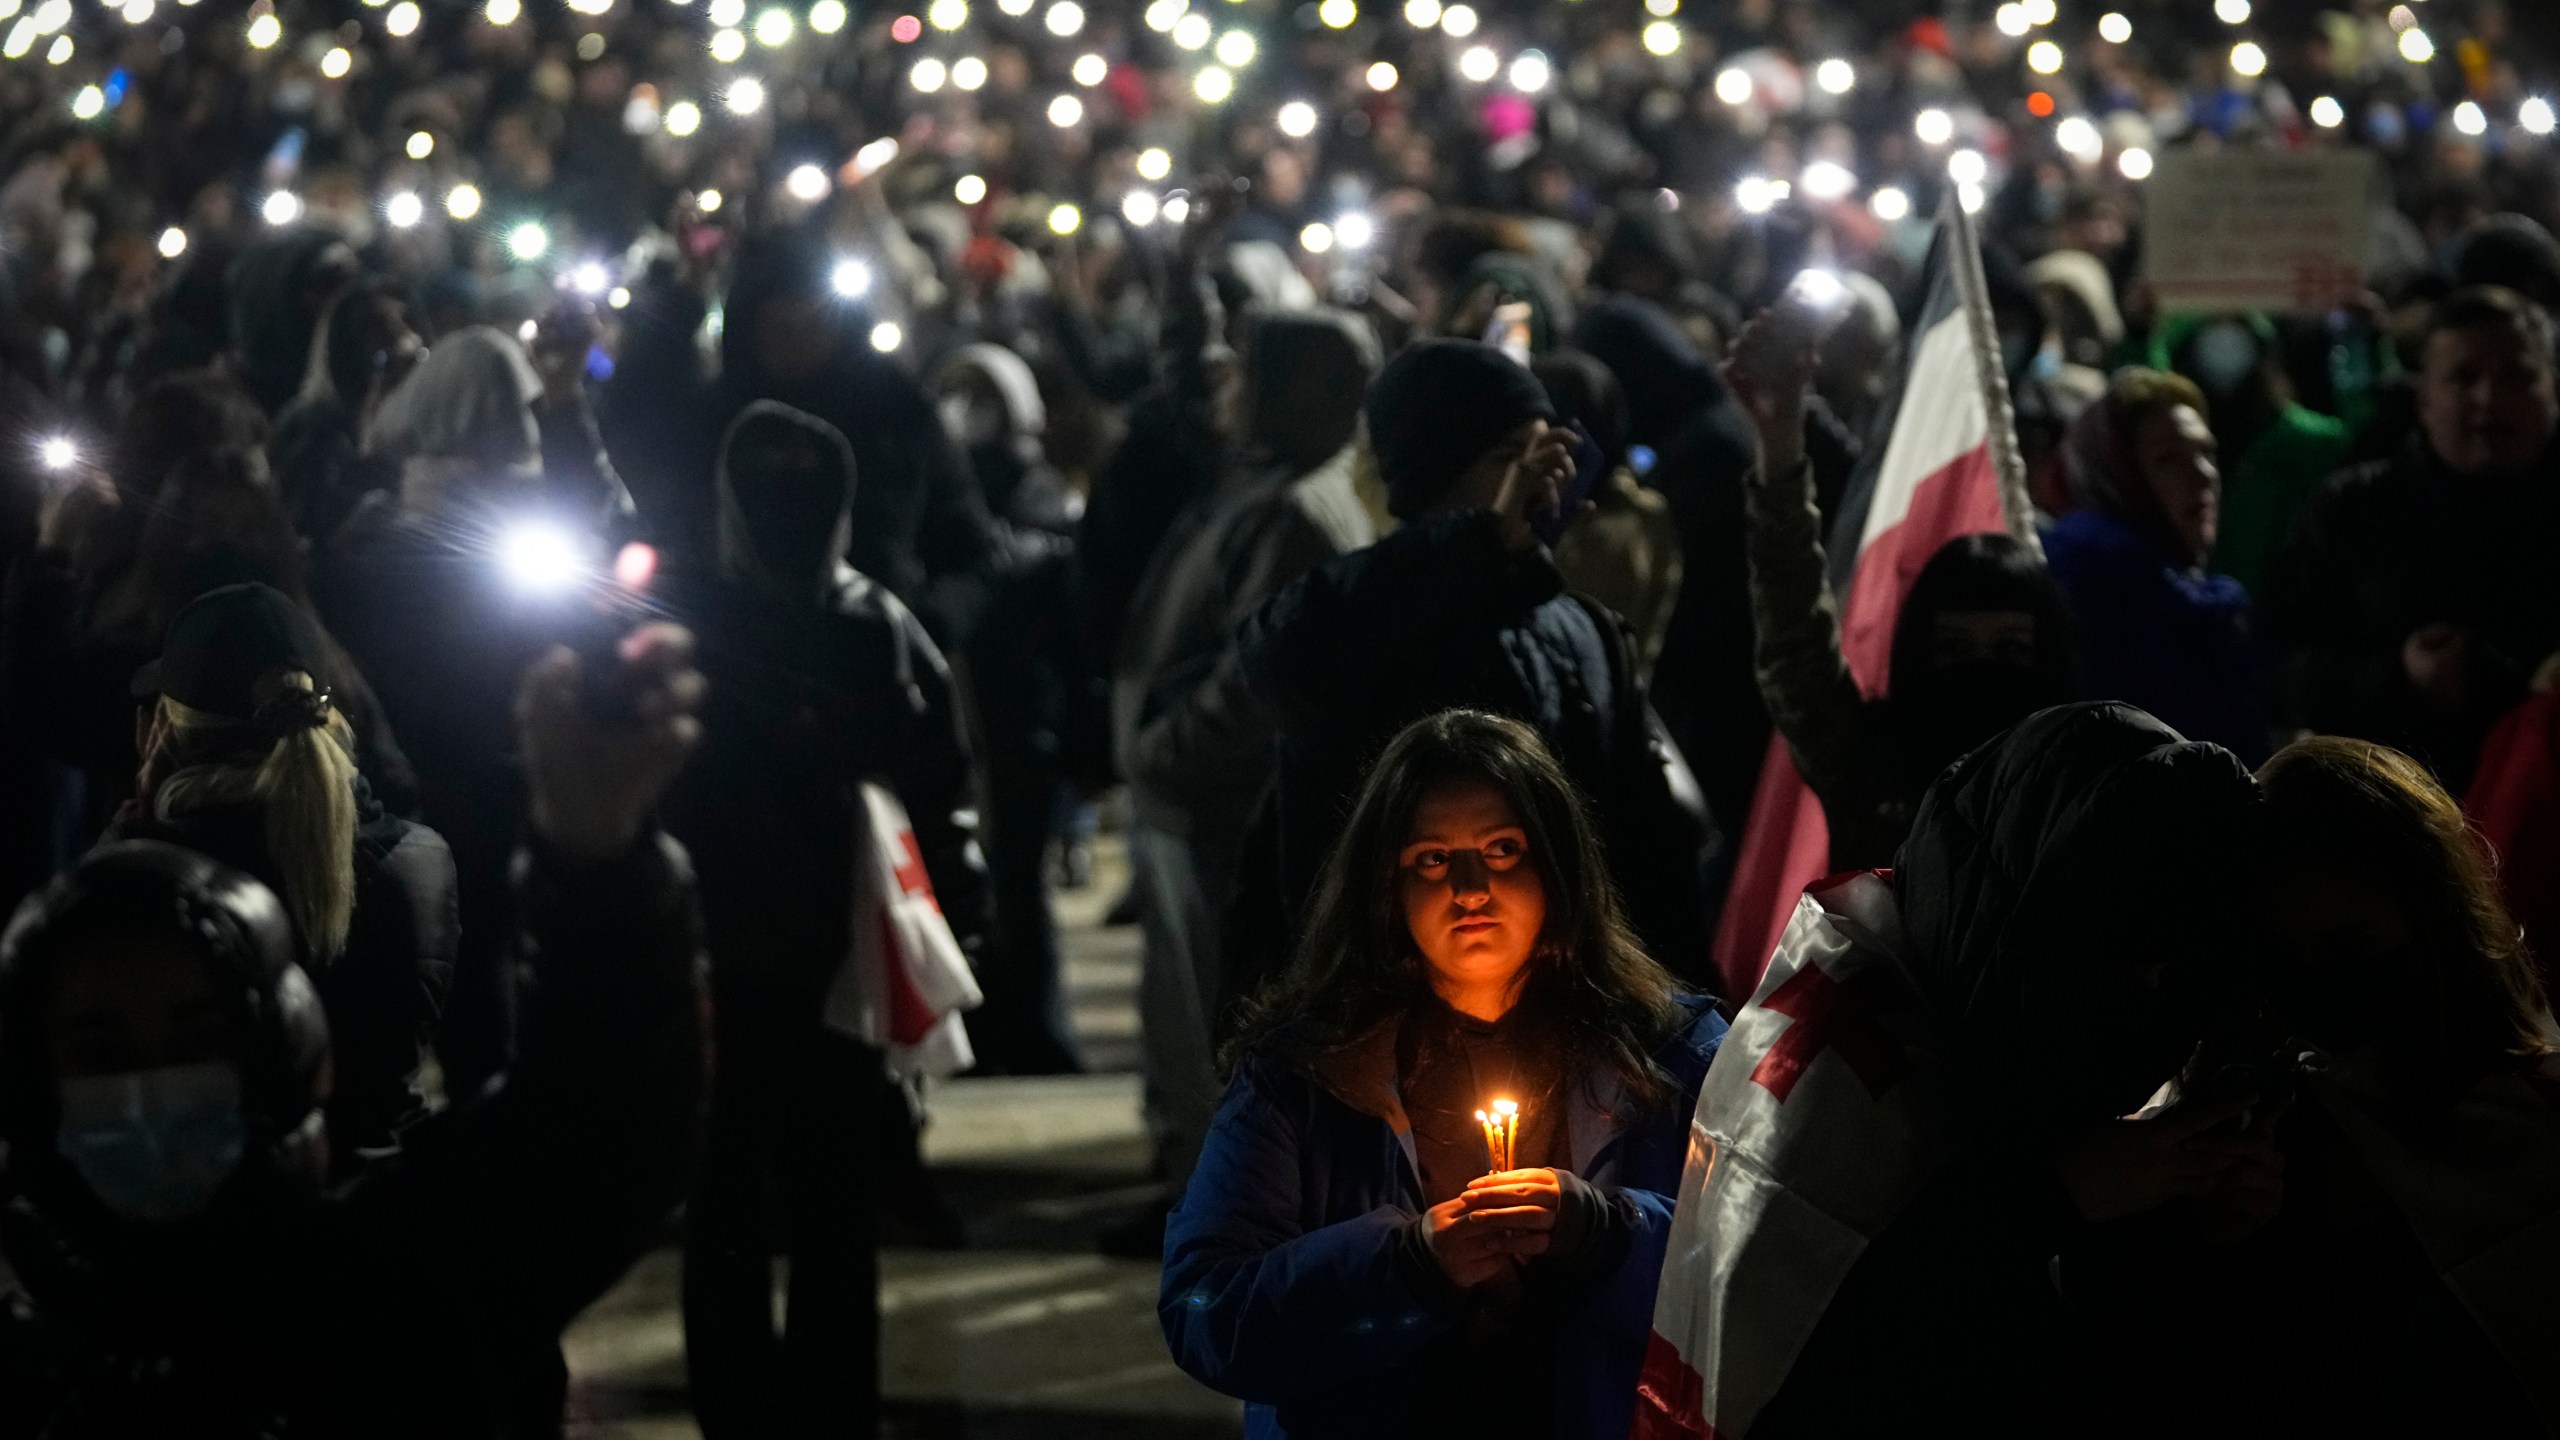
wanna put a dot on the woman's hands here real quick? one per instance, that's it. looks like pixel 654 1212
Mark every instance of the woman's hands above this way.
pixel 1533 487
pixel 2125 1167
pixel 1498 1218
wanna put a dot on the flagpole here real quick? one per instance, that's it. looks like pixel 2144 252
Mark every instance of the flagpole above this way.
pixel 1975 288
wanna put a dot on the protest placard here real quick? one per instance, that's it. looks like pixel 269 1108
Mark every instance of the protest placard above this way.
pixel 2258 230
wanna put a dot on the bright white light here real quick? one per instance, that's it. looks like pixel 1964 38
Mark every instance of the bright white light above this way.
pixel 402 20
pixel 1889 203
pixel 725 12
pixel 1353 230
pixel 2535 115
pixel 827 16
pixel 1191 31
pixel 462 201
pixel 709 202
pixel 1064 219
pixel 1090 69
pixel 728 46
pixel 1213 85
pixel 969 189
pixel 947 14
pixel 265 31
pixel 1065 111
pixel 1818 287
pixel 1155 163
pixel 868 160
pixel 1970 197
pixel 1479 63
pixel 683 118
pixel 22 38
pixel 1662 38
pixel 1139 208
pixel 1297 120
pixel 968 72
pixel 2080 140
pixel 89 103
pixel 806 183
pixel 52 15
pixel 1177 210
pixel 2415 47
pixel 2135 164
pixel 59 52
pixel 1664 8
pixel 886 336
pixel 173 243
pixel 746 97
pixel 2114 28
pixel 619 297
pixel 2327 113
pixel 1382 76
pixel 1236 49
pixel 1826 180
pixel 1064 18
pixel 527 241
pixel 1733 86
pixel 2470 119
pixel 1967 167
pixel 2012 20
pixel 57 452
pixel 1530 72
pixel 1758 194
pixel 1422 14
pixel 540 558
pixel 1933 126
pixel 337 63
pixel 281 208
pixel 850 279
pixel 2231 12
pixel 773 28
pixel 590 278
pixel 404 209
pixel 2042 12
pixel 1835 76
pixel 2044 57
pixel 1459 21
pixel 2247 58
pixel 504 12
pixel 138 11
pixel 1317 238
pixel 1161 14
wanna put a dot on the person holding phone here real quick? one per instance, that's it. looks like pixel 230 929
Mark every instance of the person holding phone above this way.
pixel 1463 607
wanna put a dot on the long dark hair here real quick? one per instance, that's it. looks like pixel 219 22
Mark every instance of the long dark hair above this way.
pixel 1603 1000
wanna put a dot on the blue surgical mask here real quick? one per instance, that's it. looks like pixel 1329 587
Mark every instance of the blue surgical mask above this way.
pixel 155 1145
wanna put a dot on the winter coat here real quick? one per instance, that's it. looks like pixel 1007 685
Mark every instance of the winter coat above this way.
pixel 1626 555
pixel 2389 548
pixel 2164 636
pixel 815 685
pixel 384 993
pixel 1283 1282
pixel 411 1301
pixel 1441 614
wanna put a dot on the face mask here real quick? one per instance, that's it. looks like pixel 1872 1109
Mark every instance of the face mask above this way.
pixel 155 1145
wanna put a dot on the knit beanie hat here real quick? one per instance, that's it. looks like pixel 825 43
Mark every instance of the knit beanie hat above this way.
pixel 1437 406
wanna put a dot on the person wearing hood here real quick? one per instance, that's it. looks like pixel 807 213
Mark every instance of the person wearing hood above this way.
pixel 2416 602
pixel 364 349
pixel 443 591
pixel 1982 640
pixel 1680 408
pixel 1031 697
pixel 1463 607
pixel 1905 1221
pixel 248 757
pixel 280 287
pixel 2151 626
pixel 2277 452
pixel 820 680
pixel 1195 747
pixel 166 1066
pixel 920 526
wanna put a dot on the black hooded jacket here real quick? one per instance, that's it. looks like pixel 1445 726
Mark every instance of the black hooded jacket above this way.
pixel 818 682
pixel 2069 897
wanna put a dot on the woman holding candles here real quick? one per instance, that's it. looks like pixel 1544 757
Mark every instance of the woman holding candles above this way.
pixel 1352 1258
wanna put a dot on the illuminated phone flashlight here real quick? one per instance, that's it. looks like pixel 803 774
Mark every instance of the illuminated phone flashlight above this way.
pixel 543 558
pixel 850 279
pixel 588 278
pixel 58 452
pixel 1817 288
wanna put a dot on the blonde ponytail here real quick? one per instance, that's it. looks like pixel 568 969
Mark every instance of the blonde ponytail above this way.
pixel 304 784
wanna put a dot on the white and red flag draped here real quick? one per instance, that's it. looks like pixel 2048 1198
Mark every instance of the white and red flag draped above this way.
pixel 1812 1132
pixel 1948 467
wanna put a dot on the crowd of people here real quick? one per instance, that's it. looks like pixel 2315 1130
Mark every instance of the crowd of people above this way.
pixel 487 490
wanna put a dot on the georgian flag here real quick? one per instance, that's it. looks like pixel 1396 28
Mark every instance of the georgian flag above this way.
pixel 1949 466
pixel 1811 1134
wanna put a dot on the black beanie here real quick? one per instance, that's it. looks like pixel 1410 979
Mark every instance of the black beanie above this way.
pixel 1439 405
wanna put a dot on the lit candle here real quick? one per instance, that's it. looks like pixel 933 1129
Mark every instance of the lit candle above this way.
pixel 1501 1133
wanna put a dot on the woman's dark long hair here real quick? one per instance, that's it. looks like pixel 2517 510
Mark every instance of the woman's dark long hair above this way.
pixel 1605 1002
